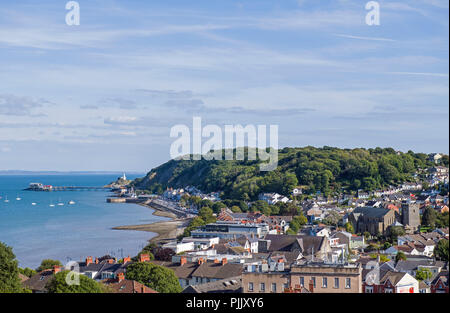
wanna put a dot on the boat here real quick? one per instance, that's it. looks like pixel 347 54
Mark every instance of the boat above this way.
pixel 6 199
pixel 71 202
pixel 51 204
pixel 34 203
pixel 60 202
pixel 18 198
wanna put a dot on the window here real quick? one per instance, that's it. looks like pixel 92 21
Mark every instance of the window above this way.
pixel 336 283
pixel 324 282
pixel 348 283
pixel 274 287
pixel 250 286
pixel 302 281
pixel 314 281
pixel 262 287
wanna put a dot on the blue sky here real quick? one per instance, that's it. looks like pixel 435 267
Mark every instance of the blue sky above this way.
pixel 104 95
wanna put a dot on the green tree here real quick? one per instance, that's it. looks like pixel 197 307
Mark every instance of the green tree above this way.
pixel 423 274
pixel 349 228
pixel 27 271
pixel 441 250
pixel 48 264
pixel 9 271
pixel 87 285
pixel 332 218
pixel 400 256
pixel 236 209
pixel 206 213
pixel 154 276
pixel 218 206
pixel 429 217
pixel 395 232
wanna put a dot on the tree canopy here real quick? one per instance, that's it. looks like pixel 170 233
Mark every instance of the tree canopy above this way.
pixel 87 285
pixel 154 276
pixel 9 271
pixel 48 264
pixel 325 170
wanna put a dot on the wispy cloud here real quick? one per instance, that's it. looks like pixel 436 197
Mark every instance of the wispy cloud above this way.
pixel 365 38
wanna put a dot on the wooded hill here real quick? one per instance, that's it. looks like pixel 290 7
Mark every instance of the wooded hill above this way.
pixel 328 170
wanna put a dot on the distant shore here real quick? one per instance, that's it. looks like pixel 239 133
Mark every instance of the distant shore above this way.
pixel 166 230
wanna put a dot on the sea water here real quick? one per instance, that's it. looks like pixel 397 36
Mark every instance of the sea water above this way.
pixel 68 232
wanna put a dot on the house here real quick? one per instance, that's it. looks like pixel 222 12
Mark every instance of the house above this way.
pixel 201 243
pixel 202 271
pixel 319 277
pixel 273 198
pixel 37 283
pixel 319 247
pixel 102 268
pixel 393 282
pixel 440 283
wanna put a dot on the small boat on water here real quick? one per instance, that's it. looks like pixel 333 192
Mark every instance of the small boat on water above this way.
pixel 18 198
pixel 6 199
pixel 34 203
pixel 71 202
pixel 60 202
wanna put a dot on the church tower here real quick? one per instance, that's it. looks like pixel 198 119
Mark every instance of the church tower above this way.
pixel 410 216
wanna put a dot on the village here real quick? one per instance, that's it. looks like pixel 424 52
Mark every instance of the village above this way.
pixel 385 241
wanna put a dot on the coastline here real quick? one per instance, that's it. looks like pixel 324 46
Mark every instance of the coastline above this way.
pixel 165 230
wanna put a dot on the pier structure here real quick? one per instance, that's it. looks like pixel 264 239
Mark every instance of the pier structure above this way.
pixel 41 187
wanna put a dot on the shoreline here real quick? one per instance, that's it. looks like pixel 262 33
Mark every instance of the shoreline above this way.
pixel 165 230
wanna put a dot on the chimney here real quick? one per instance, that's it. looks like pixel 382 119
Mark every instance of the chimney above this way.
pixel 56 269
pixel 144 258
pixel 96 260
pixel 183 260
pixel 126 260
pixel 224 261
pixel 110 261
pixel 200 261
pixel 120 277
pixel 88 260
pixel 216 261
pixel 143 289
pixel 311 286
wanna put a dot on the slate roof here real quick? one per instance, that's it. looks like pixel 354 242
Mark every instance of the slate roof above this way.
pixel 411 265
pixel 393 277
pixel 371 212
pixel 289 243
pixel 443 276
pixel 38 281
pixel 130 286
pixel 228 285
pixel 217 270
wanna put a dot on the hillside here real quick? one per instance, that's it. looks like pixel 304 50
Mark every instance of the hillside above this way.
pixel 324 169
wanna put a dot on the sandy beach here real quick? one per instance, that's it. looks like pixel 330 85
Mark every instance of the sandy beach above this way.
pixel 166 230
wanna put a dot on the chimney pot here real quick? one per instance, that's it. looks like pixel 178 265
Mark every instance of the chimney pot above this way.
pixel 224 261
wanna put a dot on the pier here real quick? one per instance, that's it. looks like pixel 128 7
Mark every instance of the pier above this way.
pixel 41 187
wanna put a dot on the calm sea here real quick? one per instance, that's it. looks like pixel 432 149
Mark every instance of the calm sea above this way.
pixel 68 232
